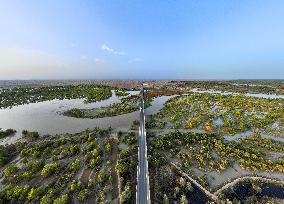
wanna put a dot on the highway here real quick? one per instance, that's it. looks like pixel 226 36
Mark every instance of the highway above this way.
pixel 142 188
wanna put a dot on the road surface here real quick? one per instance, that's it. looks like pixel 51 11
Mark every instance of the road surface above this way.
pixel 142 188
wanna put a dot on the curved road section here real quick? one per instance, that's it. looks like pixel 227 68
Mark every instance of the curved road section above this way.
pixel 142 188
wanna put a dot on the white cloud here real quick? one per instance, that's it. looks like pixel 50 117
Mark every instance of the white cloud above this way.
pixel 137 59
pixel 107 48
pixel 99 60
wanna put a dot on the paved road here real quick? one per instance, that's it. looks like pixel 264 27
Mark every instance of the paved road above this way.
pixel 143 189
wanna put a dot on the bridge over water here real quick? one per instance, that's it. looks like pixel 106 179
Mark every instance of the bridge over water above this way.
pixel 143 187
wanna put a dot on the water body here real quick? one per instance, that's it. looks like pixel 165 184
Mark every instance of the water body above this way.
pixel 218 121
pixel 268 96
pixel 261 85
pixel 245 189
pixel 46 117
pixel 157 105
pixel 248 134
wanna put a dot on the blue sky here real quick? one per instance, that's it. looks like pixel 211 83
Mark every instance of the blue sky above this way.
pixel 131 39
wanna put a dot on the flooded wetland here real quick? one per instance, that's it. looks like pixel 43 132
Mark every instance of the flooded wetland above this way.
pixel 221 145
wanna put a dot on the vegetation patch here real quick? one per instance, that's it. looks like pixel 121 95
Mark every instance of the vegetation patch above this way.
pixel 208 152
pixel 121 92
pixel 30 135
pixel 239 86
pixel 6 133
pixel 204 153
pixel 225 114
pixel 33 95
pixel 126 105
pixel 68 168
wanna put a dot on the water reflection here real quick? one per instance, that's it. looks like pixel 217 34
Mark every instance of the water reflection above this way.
pixel 46 118
pixel 157 105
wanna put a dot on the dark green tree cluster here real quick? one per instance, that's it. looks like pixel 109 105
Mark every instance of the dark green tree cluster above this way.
pixel 30 135
pixel 5 133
